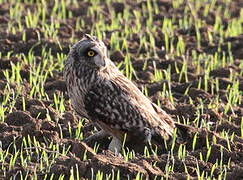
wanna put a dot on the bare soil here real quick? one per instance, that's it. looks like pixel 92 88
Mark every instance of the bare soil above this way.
pixel 33 121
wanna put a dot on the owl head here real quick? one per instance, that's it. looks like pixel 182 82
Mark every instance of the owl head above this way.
pixel 89 51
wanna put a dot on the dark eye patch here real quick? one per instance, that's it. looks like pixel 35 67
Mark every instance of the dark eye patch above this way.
pixel 84 47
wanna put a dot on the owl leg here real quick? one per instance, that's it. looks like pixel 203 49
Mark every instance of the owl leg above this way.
pixel 147 135
pixel 99 135
pixel 115 145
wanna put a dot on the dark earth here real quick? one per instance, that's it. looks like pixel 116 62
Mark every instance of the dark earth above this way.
pixel 33 121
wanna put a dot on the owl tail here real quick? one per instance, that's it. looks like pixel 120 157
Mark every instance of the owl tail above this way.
pixel 161 139
pixel 166 140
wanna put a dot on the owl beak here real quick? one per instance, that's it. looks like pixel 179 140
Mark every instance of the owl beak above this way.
pixel 99 60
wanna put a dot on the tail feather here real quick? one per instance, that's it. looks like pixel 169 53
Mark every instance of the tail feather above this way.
pixel 162 138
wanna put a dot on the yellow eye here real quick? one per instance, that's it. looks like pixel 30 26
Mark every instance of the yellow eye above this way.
pixel 90 53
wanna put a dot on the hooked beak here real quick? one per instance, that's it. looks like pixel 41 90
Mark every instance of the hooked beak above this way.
pixel 100 62
pixel 98 59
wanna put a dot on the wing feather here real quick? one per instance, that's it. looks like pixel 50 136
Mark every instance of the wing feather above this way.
pixel 118 104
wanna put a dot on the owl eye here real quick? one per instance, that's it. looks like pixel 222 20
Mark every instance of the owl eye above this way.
pixel 91 53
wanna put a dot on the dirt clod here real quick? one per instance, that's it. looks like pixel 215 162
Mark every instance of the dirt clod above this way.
pixel 193 73
pixel 38 111
pixel 19 118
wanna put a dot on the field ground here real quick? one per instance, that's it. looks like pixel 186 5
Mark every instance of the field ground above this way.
pixel 185 55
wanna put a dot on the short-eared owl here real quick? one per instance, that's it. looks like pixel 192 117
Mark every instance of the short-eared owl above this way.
pixel 102 94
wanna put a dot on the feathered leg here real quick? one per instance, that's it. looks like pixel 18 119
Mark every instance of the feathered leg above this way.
pixel 115 145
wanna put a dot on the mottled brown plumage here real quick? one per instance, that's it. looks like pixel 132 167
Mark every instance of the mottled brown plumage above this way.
pixel 102 94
